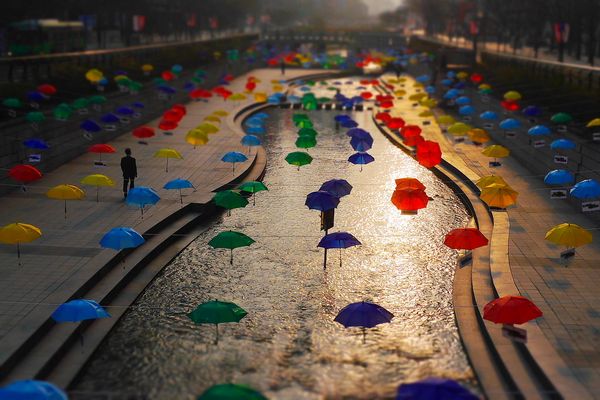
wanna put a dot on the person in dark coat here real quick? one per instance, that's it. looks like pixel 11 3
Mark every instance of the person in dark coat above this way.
pixel 129 169
pixel 282 66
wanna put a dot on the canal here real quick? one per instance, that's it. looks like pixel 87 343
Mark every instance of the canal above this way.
pixel 288 346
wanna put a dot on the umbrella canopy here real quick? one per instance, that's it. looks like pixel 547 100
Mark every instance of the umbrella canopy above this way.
pixel 434 389
pixel 478 135
pixel 532 111
pixel 361 159
pixel 24 173
pixel 336 187
pixel 298 158
pixel 251 141
pixel 499 195
pixel 142 196
pixel 496 151
pixel 168 153
pixel 361 144
pixel 459 129
pixel 65 192
pixel 587 189
pixel 229 199
pixel 234 157
pixel 230 391
pixel 561 118
pixel 101 148
pixel 512 95
pixel 79 310
pixel 97 180
pixel 121 238
pixel 252 187
pixel 143 132
pixel 510 123
pixel 306 142
pixel 429 153
pixel 559 177
pixel 307 132
pixel 32 390
pixel 409 183
pixel 363 314
pixel 179 183
pixel 489 116
pixel 338 240
pixel 563 144
pixel 360 133
pixel 322 201
pixel 36 144
pixel 465 239
pixel 539 130
pixel 196 137
pixel 408 199
pixel 488 180
pixel 217 312
pixel 569 235
pixel 511 310
pixel 19 233
pixel 230 240
pixel 208 128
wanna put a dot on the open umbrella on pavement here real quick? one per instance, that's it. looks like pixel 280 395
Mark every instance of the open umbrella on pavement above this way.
pixel 179 184
pixel 79 310
pixel 230 200
pixel 121 238
pixel 361 144
pixel 168 153
pixel 510 310
pixel 322 201
pixel 65 192
pixel 488 180
pixel 298 158
pixel 141 197
pixel 250 141
pixel 234 157
pixel 361 159
pixel 499 195
pixel 253 187
pixel 409 183
pixel 559 177
pixel 434 389
pixel 465 239
pixel 338 240
pixel 217 312
pixel 18 233
pixel 32 390
pixel 36 144
pixel 410 200
pixel 24 173
pixel 306 142
pixel 364 315
pixel 230 391
pixel 230 240
pixel 587 189
pixel 196 137
pixel 563 144
pixel 337 187
pixel 101 148
pixel 97 180
pixel 569 235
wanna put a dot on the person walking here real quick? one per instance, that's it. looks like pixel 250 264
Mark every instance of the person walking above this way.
pixel 282 66
pixel 129 169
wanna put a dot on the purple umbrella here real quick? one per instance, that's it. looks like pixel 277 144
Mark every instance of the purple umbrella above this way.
pixel 359 133
pixel 338 240
pixel 360 144
pixel 322 201
pixel 348 123
pixel 434 389
pixel 361 159
pixel 337 187
pixel 364 315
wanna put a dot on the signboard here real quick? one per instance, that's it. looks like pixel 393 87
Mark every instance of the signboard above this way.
pixel 459 139
pixel 34 158
pixel 560 159
pixel 110 128
pixel 488 126
pixel 511 134
pixel 99 163
pixel 539 143
pixel 558 193
pixel 595 136
pixel 515 334
pixel 565 255
pixel 588 206
pixel 327 219
pixel 467 118
pixel 494 164
pixel 562 128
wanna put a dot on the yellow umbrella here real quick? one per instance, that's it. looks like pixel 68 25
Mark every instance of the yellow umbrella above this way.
pixel 485 86
pixel 402 79
pixel 462 75
pixel 97 180
pixel 459 129
pixel 512 95
pixel 65 192
pixel 499 195
pixel 274 81
pixel 208 128
pixel 18 233
pixel 417 96
pixel 488 180
pixel 237 97
pixel 400 93
pixel 446 120
pixel 221 113
pixel 277 88
pixel 428 102
pixel 426 113
pixel 168 153
pixel 593 123
pixel 478 135
pixel 393 81
pixel 196 137
pixel 212 118
pixel 569 235
pixel 260 97
pixel 496 151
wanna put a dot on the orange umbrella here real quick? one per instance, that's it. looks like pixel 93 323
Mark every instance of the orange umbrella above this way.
pixel 409 183
pixel 410 199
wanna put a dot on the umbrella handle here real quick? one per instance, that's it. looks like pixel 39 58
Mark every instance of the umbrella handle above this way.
pixel 217 333
pixel 19 253
pixel 231 258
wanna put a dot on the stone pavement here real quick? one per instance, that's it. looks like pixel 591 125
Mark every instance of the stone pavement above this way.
pixel 68 246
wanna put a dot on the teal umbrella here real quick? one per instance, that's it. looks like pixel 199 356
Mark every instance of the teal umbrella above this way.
pixel 217 312
pixel 230 240
pixel 229 200
pixel 253 187
pixel 230 391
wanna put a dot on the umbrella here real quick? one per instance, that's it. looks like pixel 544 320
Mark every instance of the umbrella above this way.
pixel 18 233
pixel 459 129
pixel 489 116
pixel 230 240
pixel 143 132
pixel 141 197
pixel 409 199
pixel 97 180
pixel 429 153
pixel 178 184
pixel 488 180
pixel 496 151
pixel 532 111
pixel 250 141
pixel 252 187
pixel 168 153
pixel 499 195
pixel 478 135
pixel 298 158
pixel 121 238
pixel 409 183
pixel 539 130
pixel 208 128
pixel 338 240
pixel 234 157
pixel 569 235
pixel 337 187
pixel 434 389
pixel 229 199
pixel 361 159
pixel 322 201
pixel 65 192
pixel 465 239
pixel 307 132
pixel 364 315
pixel 24 173
pixel 512 95
pixel 79 310
pixel 510 123
pixel 563 144
pixel 101 148
pixel 306 142
pixel 559 177
pixel 361 144
pixel 446 119
pixel 217 312
pixel 587 189
pixel 32 390
pixel 510 310
pixel 230 391
pixel 466 110
pixel 196 137
pixel 360 133
pixel 561 118
pixel 348 124
pixel 36 144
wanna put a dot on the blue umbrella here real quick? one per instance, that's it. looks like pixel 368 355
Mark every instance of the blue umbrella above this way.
pixel 178 184
pixel 256 130
pixel 360 133
pixel 587 189
pixel 250 141
pixel 466 110
pixel 559 177
pixel 125 111
pixel 361 144
pixel 337 187
pixel 434 389
pixel 121 238
pixel 489 116
pixel 292 99
pixel 361 159
pixel 322 201
pixel 422 78
pixel 273 99
pixel 451 94
pixel 90 126
pixel 463 101
pixel 348 123
pixel 32 390
pixel 141 197
pixel 138 104
pixel 364 315
pixel 261 115
pixel 79 310
pixel 451 74
pixel 35 97
pixel 459 85
pixel 563 144
pixel 234 157
pixel 539 130
pixel 37 144
pixel 430 89
pixel 532 111
pixel 510 123
pixel 109 118
pixel 254 122
pixel 338 240
pixel 447 82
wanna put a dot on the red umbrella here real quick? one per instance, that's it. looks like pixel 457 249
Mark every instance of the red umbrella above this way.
pixel 409 183
pixel 383 116
pixel 250 86
pixel 410 131
pixel 24 173
pixel 410 199
pixel 511 310
pixel 413 140
pixel 386 104
pixel 143 132
pixel 429 154
pixel 166 125
pixel 172 115
pixel 47 89
pixel 200 94
pixel 366 95
pixel 381 97
pixel 102 148
pixel 395 123
pixel 228 77
pixel 465 239
pixel 476 78
pixel 510 105
pixel 180 108
pixel 168 75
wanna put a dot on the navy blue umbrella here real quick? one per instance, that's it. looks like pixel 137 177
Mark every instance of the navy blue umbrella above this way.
pixel 125 111
pixel 357 132
pixel 363 315
pixel 338 240
pixel 337 187
pixel 348 123
pixel 342 117
pixel 109 118
pixel 90 126
pixel 434 389
pixel 361 159
pixel 37 144
pixel 138 104
pixel 361 144
pixel 532 111
pixel 32 390
pixel 322 201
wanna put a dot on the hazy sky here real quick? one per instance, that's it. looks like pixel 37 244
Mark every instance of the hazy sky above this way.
pixel 378 6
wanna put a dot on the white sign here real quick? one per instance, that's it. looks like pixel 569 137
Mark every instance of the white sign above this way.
pixel 82 111
pixel 488 126
pixel 110 128
pixel 560 159
pixel 562 128
pixel 539 143
pixel 35 158
pixel 511 134
pixel 558 193
pixel 588 206
pixel 596 136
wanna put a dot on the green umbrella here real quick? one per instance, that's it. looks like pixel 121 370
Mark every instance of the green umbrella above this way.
pixel 96 100
pixel 12 102
pixel 310 83
pixel 300 117
pixel 217 312
pixel 306 141
pixel 230 240
pixel 561 118
pixel 80 104
pixel 298 158
pixel 307 132
pixel 304 124
pixel 62 112
pixel 230 391
pixel 324 100
pixel 229 199
pixel 35 117
pixel 252 187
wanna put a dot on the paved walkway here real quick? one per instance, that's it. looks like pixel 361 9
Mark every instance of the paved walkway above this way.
pixel 51 264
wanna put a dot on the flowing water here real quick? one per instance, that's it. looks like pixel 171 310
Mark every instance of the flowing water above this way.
pixel 288 346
